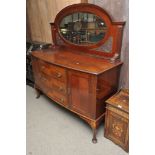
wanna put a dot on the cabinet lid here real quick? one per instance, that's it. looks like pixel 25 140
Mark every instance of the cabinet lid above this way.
pixel 76 60
pixel 120 100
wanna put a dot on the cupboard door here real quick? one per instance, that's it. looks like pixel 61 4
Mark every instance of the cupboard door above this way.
pixel 81 93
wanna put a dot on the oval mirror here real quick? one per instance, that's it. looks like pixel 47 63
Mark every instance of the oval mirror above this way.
pixel 82 28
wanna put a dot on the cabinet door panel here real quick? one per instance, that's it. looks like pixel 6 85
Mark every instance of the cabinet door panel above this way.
pixel 81 93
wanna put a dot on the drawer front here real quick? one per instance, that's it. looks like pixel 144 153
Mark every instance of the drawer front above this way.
pixel 40 81
pixel 53 84
pixel 118 111
pixel 53 71
pixel 51 80
pixel 35 69
pixel 57 97
pixel 43 83
pixel 116 129
pixel 58 86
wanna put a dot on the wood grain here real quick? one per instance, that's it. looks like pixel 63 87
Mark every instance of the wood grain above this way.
pixel 74 59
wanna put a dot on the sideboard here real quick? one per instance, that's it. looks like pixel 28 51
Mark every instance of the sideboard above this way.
pixel 81 69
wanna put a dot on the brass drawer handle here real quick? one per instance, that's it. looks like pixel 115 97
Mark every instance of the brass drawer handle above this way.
pixel 61 89
pixel 58 75
pixel 119 106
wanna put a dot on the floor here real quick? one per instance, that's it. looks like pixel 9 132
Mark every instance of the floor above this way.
pixel 53 130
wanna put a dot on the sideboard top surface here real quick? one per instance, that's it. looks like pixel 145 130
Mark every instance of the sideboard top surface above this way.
pixel 74 59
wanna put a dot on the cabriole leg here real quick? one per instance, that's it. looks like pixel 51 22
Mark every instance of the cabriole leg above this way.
pixel 94 140
pixel 93 126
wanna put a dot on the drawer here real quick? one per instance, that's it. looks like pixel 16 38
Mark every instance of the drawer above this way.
pixel 44 79
pixel 118 112
pixel 58 86
pixel 53 71
pixel 57 97
pixel 43 83
pixel 35 68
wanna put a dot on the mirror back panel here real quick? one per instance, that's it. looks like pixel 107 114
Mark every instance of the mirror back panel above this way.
pixel 89 28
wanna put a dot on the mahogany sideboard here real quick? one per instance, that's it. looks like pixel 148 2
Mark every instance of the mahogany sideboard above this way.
pixel 81 69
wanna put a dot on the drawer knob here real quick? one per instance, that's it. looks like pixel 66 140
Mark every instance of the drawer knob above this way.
pixel 59 75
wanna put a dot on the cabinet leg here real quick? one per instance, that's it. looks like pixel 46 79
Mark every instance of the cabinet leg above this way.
pixel 94 125
pixel 38 93
pixel 94 128
pixel 94 140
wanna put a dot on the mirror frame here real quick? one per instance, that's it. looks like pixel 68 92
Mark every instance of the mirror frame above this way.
pixel 114 29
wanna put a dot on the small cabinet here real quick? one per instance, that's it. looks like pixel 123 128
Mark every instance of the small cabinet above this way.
pixel 117 120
